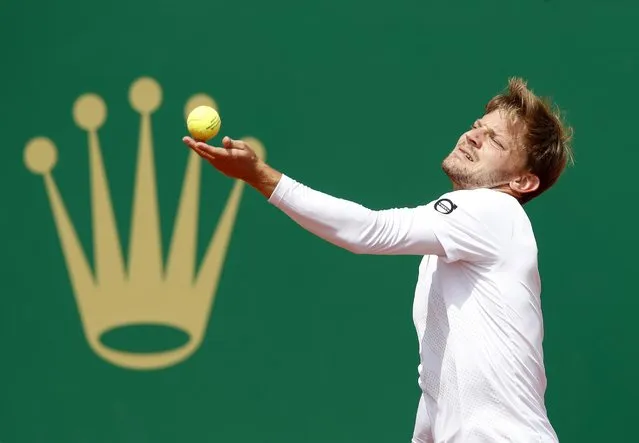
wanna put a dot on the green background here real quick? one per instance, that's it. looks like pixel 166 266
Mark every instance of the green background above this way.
pixel 360 99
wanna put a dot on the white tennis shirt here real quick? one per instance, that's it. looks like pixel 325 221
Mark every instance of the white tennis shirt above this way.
pixel 477 308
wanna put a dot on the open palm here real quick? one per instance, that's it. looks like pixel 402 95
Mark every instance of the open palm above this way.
pixel 234 159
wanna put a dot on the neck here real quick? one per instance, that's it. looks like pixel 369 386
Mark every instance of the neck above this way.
pixel 500 187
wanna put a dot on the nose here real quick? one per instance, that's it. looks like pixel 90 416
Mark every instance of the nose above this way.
pixel 475 138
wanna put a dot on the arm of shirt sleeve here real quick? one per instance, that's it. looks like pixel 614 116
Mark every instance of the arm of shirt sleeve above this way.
pixel 351 226
pixel 469 226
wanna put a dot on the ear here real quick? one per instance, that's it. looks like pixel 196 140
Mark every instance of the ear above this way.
pixel 525 183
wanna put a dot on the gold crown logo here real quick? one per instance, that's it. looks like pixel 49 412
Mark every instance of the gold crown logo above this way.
pixel 147 291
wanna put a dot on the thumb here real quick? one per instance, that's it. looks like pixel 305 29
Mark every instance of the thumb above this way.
pixel 229 143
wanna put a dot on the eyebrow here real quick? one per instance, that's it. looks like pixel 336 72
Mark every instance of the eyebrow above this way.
pixel 491 132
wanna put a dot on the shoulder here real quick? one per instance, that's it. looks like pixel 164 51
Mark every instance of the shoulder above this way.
pixel 475 225
pixel 485 206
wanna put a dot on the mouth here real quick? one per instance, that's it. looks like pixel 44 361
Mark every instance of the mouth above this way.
pixel 466 154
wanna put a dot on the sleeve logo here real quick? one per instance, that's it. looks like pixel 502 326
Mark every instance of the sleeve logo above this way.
pixel 445 206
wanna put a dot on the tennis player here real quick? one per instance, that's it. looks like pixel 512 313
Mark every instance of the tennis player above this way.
pixel 477 308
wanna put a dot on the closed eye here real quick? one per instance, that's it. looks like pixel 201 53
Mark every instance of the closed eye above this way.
pixel 493 137
pixel 498 143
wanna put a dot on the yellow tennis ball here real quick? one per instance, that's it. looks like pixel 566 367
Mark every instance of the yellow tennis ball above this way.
pixel 203 123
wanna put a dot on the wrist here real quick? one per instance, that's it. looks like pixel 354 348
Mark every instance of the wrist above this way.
pixel 265 179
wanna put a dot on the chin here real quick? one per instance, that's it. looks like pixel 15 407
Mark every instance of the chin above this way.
pixel 458 174
pixel 453 167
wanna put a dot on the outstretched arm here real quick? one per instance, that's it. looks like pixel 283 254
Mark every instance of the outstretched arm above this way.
pixel 400 231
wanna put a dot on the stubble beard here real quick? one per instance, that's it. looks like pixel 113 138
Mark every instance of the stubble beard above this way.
pixel 464 177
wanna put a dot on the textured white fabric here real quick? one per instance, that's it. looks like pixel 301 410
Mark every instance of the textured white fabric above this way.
pixel 477 308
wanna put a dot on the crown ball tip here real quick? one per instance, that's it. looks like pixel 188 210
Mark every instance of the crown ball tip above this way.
pixel 89 112
pixel 40 155
pixel 199 100
pixel 145 95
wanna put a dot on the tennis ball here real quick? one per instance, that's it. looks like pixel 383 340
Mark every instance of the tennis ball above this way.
pixel 203 123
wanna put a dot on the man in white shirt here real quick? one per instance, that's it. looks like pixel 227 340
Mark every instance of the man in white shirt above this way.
pixel 477 308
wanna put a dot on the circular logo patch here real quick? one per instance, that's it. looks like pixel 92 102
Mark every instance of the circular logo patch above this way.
pixel 445 206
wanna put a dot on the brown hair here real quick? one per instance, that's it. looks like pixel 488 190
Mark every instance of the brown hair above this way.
pixel 545 137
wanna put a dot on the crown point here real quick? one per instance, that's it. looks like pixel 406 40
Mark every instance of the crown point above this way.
pixel 199 100
pixel 257 146
pixel 145 95
pixel 40 155
pixel 89 112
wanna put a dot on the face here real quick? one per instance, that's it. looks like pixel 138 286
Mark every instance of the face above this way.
pixel 488 155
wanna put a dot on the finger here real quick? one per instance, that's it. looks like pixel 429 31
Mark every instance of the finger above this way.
pixel 203 149
pixel 229 143
pixel 192 143
pixel 212 151
pixel 199 151
pixel 188 141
